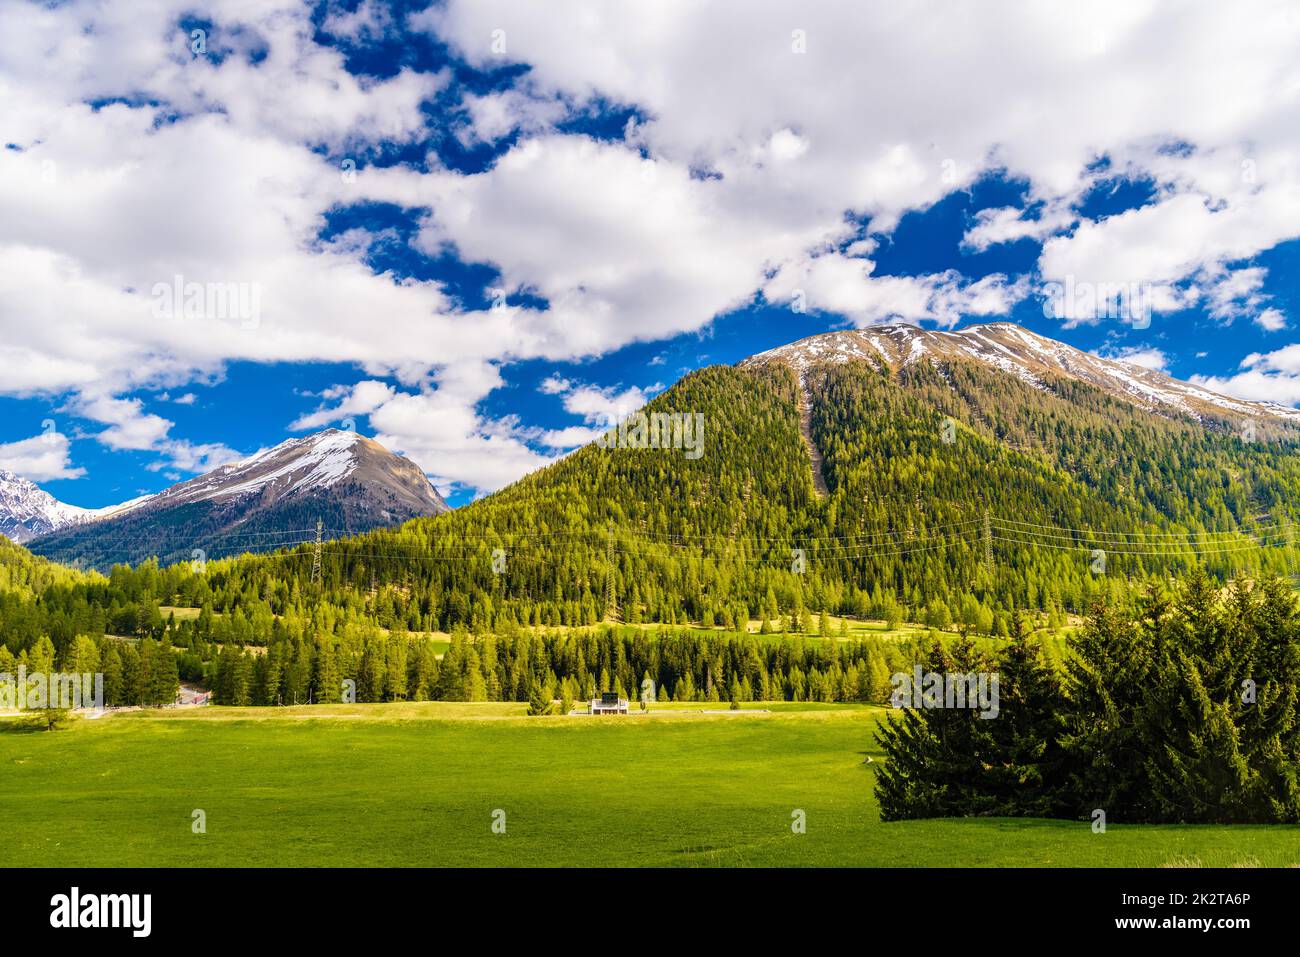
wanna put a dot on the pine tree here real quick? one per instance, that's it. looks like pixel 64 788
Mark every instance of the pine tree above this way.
pixel 326 682
pixel 1108 675
pixel 164 679
pixel 1023 761
pixel 241 679
pixel 539 703
pixel 931 755
pixel 111 665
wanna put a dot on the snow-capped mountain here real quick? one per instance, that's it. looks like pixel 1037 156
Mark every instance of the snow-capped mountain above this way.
pixel 269 500
pixel 27 510
pixel 1026 355
pixel 315 463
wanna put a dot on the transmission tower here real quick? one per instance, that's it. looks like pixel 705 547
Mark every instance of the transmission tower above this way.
pixel 315 558
pixel 1288 539
pixel 988 541
pixel 611 606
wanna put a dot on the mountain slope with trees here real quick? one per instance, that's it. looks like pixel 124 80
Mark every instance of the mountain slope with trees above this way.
pixel 959 494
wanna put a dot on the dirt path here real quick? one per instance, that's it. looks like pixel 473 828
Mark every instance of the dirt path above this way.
pixel 805 429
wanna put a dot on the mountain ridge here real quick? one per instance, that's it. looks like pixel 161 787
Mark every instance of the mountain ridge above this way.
pixel 955 490
pixel 1018 351
pixel 28 511
pixel 351 479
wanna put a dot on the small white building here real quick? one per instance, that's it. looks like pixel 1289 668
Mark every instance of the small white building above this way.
pixel 609 704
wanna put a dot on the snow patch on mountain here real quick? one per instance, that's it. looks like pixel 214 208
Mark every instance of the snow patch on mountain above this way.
pixel 312 464
pixel 27 510
pixel 318 461
pixel 1028 356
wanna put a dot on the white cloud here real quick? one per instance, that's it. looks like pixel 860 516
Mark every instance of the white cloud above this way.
pixel 1001 86
pixel 495 115
pixel 438 432
pixel 1271 320
pixel 370 19
pixel 600 408
pixel 1283 388
pixel 1147 357
pixel 1265 377
pixel 1008 224
pixel 131 428
pixel 361 399
pixel 623 248
pixel 40 458
pixel 605 407
pixel 834 283
pixel 1187 236
pixel 755 170
pixel 1234 293
pixel 184 456
pixel 554 384
pixel 571 436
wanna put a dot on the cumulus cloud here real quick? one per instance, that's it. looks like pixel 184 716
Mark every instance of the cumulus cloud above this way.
pixel 368 20
pixel 1271 320
pixel 40 458
pixel 600 407
pixel 554 385
pixel 1008 224
pixel 138 161
pixel 1264 377
pixel 605 407
pixel 834 283
pixel 496 115
pixel 361 399
pixel 441 432
pixel 1147 357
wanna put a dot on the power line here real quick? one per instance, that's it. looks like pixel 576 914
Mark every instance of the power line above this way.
pixel 1094 532
pixel 867 545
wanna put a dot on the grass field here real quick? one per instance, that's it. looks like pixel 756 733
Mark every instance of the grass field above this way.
pixel 417 784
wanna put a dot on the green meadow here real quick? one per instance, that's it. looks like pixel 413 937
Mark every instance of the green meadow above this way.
pixel 422 784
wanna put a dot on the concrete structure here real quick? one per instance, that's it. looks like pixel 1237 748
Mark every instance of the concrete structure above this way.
pixel 609 703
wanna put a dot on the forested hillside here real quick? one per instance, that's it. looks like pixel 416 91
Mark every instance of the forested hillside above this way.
pixel 957 494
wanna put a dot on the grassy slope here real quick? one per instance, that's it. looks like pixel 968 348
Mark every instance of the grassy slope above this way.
pixel 416 784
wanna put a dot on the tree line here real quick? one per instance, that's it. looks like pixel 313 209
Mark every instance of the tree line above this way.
pixel 663 665
pixel 144 673
pixel 651 537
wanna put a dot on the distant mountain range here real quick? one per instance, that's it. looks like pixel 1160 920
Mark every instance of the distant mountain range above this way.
pixel 27 510
pixel 349 482
pixel 973 472
pixel 897 437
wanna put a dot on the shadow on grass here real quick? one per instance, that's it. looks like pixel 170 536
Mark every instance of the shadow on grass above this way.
pixel 20 726
pixel 31 724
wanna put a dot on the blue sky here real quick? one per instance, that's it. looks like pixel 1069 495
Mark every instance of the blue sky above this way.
pixel 478 230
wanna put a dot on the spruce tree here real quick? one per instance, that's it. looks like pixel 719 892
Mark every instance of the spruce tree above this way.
pixel 1023 761
pixel 931 758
